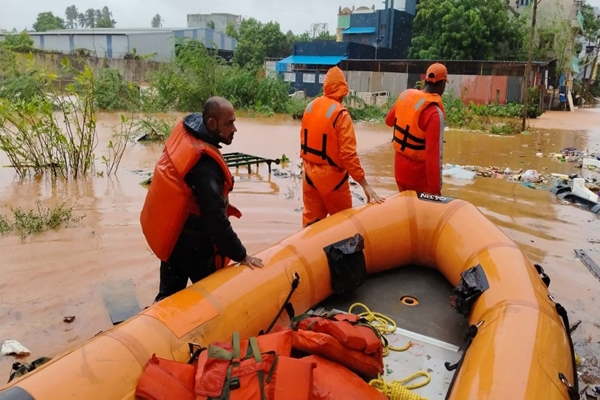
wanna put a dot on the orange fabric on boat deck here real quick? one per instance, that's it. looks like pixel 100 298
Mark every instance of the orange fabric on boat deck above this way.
pixel 332 381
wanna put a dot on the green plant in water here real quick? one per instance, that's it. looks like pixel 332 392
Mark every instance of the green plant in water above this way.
pixel 117 145
pixel 5 225
pixel 33 137
pixel 33 222
pixel 152 129
pixel 115 93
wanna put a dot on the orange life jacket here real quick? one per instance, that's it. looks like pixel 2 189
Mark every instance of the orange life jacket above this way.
pixel 169 200
pixel 260 372
pixel 318 138
pixel 256 368
pixel 335 382
pixel 344 338
pixel 409 138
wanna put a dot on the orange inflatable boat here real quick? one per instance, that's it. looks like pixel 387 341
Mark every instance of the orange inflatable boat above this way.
pixel 518 347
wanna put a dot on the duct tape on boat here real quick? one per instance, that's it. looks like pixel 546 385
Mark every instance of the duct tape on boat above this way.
pixel 435 198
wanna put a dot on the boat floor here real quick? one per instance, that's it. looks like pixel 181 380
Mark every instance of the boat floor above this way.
pixel 435 330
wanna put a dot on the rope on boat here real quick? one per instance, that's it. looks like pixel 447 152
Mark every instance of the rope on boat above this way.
pixel 396 389
pixel 382 323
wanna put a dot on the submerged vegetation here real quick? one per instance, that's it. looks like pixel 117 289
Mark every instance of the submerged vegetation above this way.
pixel 32 222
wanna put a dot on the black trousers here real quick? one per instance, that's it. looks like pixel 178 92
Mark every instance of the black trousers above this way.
pixel 192 259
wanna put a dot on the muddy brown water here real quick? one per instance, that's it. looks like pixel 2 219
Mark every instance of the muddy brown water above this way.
pixel 64 272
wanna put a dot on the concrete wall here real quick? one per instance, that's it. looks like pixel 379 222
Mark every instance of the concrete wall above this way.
pixel 132 70
pixel 479 89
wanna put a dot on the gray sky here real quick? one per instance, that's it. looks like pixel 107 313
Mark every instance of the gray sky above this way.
pixel 294 15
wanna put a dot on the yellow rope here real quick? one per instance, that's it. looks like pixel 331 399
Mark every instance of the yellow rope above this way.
pixel 382 323
pixel 394 390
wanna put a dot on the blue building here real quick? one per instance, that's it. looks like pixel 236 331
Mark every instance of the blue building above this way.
pixel 390 28
pixel 306 68
pixel 371 34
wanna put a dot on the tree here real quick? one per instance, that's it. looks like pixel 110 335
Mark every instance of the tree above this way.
pixel 81 20
pixel 96 18
pixel 71 13
pixel 17 42
pixel 257 41
pixel 528 67
pixel 325 35
pixel 591 24
pixel 231 31
pixel 88 18
pixel 157 21
pixel 104 18
pixel 46 21
pixel 460 29
pixel 210 25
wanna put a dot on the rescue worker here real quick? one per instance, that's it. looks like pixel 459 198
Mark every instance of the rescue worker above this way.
pixel 328 151
pixel 185 217
pixel 418 119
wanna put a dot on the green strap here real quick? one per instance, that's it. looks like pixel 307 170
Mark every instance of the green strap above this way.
pixel 260 373
pixel 255 349
pixel 294 322
pixel 272 370
pixel 236 348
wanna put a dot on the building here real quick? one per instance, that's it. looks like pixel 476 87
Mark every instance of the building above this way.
pixel 389 28
pixel 117 43
pixel 218 20
pixel 376 81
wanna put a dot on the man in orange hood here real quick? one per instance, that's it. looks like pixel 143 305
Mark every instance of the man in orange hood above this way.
pixel 328 151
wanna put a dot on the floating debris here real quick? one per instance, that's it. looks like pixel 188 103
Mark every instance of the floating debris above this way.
pixel 12 347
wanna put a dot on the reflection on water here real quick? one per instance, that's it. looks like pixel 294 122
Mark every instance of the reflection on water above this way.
pixel 59 273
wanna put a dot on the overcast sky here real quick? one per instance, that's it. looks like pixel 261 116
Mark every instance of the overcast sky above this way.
pixel 291 15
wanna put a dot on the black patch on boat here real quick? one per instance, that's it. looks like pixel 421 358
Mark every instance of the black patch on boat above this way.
pixel 347 264
pixel 471 285
pixel 119 299
pixel 15 393
pixel 435 198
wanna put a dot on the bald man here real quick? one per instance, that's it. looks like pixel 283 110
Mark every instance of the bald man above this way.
pixel 185 217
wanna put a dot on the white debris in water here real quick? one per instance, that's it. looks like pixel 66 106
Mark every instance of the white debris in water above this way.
pixel 12 347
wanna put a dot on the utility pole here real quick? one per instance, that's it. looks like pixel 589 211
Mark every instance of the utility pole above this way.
pixel 528 67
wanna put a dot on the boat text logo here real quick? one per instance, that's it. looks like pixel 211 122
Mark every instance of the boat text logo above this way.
pixel 435 197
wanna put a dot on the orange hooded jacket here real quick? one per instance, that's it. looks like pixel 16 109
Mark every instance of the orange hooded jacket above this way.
pixel 325 176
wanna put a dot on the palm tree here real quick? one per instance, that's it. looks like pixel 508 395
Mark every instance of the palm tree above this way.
pixel 72 15
pixel 90 18
pixel 81 20
pixel 157 21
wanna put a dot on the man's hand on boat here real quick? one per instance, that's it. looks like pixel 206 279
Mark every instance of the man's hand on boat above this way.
pixel 370 193
pixel 252 262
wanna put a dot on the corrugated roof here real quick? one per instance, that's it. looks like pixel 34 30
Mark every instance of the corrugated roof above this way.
pixel 313 60
pixel 358 30
pixel 447 61
pixel 114 31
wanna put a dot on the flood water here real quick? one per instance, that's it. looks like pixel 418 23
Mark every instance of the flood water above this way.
pixel 65 272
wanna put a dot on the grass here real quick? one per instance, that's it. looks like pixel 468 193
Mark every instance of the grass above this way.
pixel 42 219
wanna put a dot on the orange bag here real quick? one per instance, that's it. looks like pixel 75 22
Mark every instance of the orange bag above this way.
pixel 335 382
pixel 344 338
